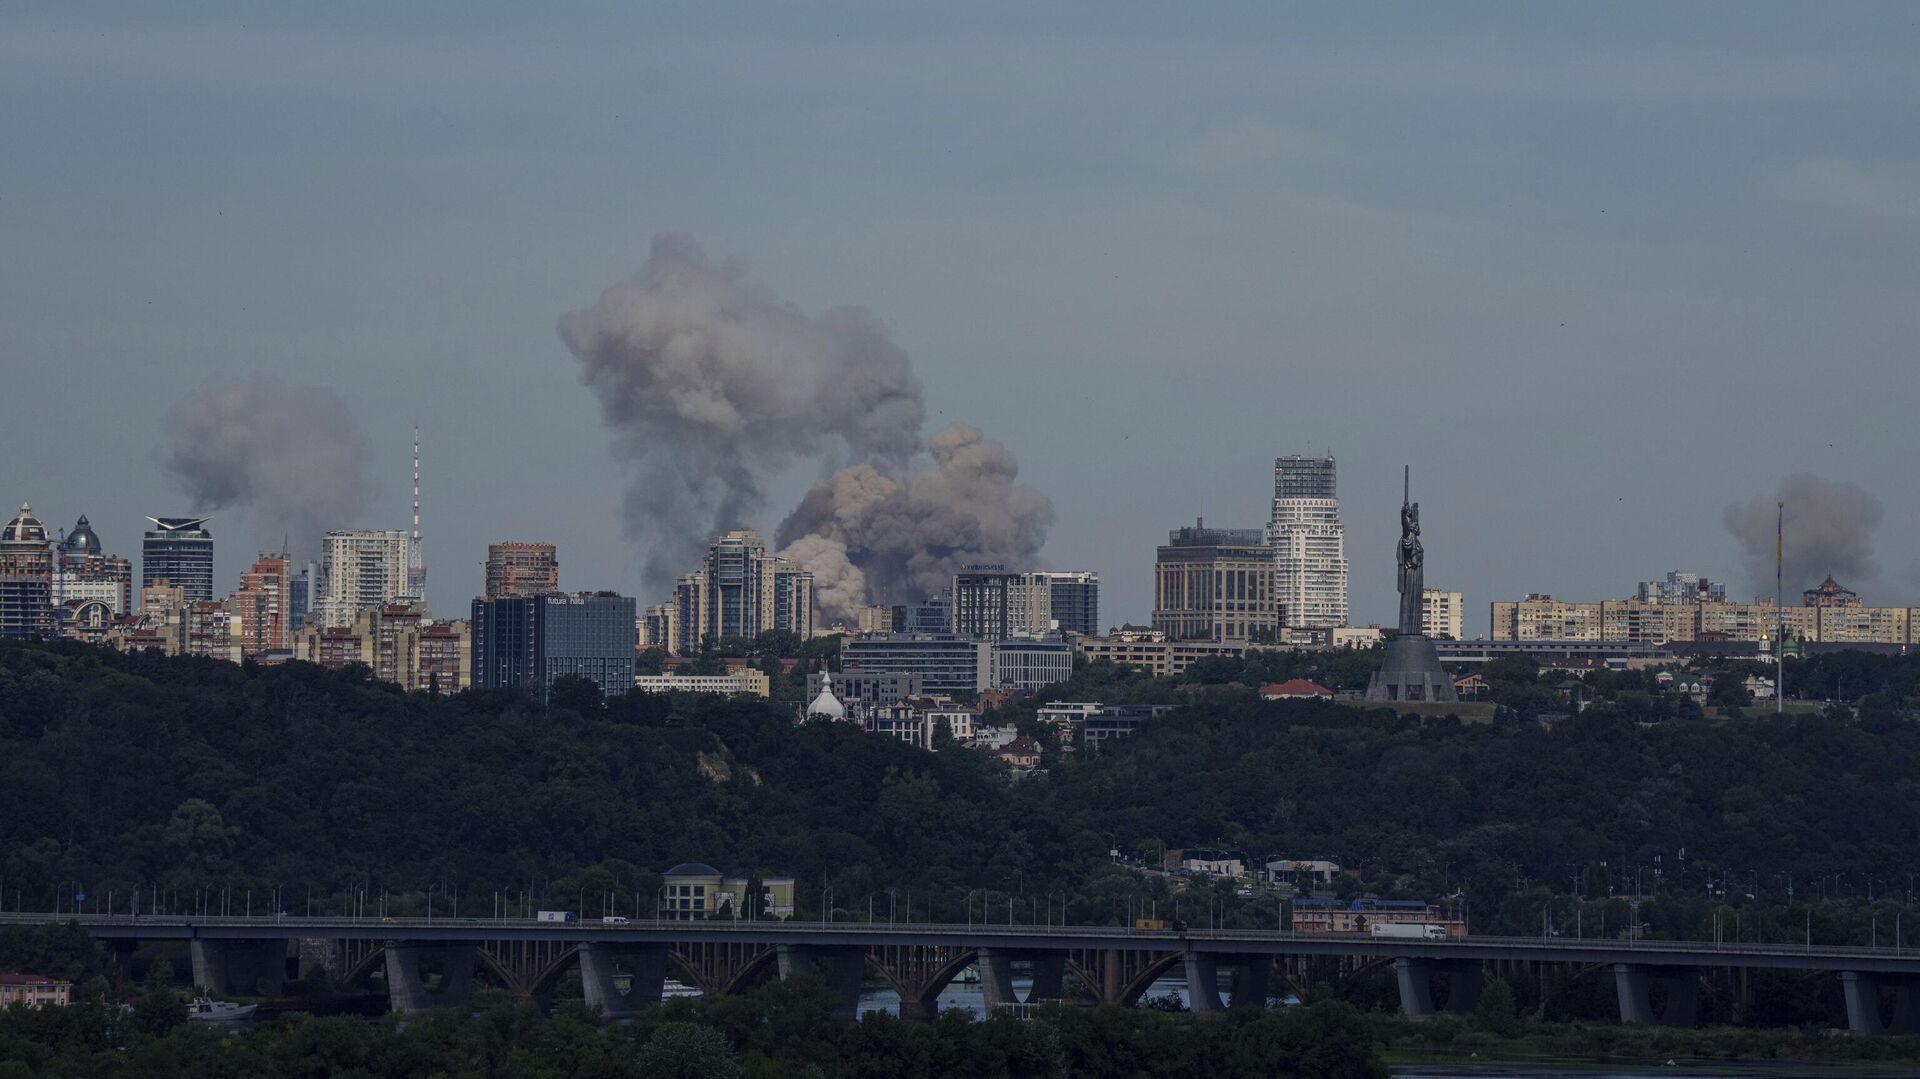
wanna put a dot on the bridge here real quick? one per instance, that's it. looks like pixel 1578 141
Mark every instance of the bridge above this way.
pixel 432 962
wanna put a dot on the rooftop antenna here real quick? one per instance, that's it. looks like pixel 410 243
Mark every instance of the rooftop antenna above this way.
pixel 416 563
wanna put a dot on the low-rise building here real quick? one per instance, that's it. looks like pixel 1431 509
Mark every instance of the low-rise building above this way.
pixel 1214 863
pixel 1311 872
pixel 696 891
pixel 1292 689
pixel 747 680
pixel 1022 752
pixel 1160 658
pixel 34 991
pixel 1361 915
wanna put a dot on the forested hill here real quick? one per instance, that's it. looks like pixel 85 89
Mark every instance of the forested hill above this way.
pixel 185 773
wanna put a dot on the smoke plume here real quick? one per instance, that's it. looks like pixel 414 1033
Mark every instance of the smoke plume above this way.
pixel 293 457
pixel 1828 530
pixel 908 536
pixel 712 387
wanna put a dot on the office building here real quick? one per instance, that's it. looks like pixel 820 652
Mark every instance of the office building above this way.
pixel 1158 657
pixel 522 569
pixel 1075 599
pixel 533 640
pixel 1215 584
pixel 1031 664
pixel 947 666
pixel 741 590
pixel 1442 614
pixel 264 604
pixel 1309 543
pixel 753 683
pixel 179 550
pixel 361 570
pixel 933 616
pixel 26 577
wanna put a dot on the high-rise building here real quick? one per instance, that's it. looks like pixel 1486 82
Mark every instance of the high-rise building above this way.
pixel 1309 543
pixel 741 590
pixel 83 572
pixel 179 550
pixel 304 596
pixel 1679 587
pixel 1442 615
pixel 264 603
pixel 533 640
pixel 934 615
pixel 522 569
pixel 991 604
pixel 1075 598
pixel 26 577
pixel 1215 584
pixel 363 569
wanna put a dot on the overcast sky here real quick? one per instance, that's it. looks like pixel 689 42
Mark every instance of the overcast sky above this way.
pixel 1596 271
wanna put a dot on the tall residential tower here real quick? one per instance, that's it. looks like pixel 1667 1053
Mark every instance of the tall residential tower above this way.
pixel 1309 543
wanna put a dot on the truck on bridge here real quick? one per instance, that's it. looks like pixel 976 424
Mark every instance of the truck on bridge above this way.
pixel 1409 931
pixel 556 916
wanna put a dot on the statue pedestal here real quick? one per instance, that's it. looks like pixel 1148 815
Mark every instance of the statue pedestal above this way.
pixel 1411 671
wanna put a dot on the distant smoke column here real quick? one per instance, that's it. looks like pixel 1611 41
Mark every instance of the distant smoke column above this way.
pixel 1829 530
pixel 712 386
pixel 908 537
pixel 293 457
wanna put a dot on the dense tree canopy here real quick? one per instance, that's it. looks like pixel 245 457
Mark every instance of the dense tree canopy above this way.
pixel 173 776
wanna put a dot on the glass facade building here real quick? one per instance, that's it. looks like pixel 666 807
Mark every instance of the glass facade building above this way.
pixel 179 550
pixel 534 640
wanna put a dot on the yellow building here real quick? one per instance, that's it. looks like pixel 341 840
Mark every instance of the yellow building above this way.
pixel 34 991
pixel 1640 621
pixel 695 891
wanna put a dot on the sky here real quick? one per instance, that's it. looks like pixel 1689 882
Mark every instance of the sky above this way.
pixel 1595 271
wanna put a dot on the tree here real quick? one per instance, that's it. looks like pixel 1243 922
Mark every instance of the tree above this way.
pixel 1494 1013
pixel 681 1050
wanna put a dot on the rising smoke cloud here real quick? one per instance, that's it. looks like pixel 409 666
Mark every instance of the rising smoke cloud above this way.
pixel 712 387
pixel 1828 530
pixel 292 457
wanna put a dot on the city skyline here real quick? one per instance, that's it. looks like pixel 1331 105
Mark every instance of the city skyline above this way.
pixel 1600 292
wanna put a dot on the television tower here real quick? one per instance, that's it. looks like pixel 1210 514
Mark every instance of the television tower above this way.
pixel 416 563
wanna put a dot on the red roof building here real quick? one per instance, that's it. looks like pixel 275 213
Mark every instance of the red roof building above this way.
pixel 1293 688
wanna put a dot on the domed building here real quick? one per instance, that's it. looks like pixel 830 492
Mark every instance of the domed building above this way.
pixel 80 543
pixel 826 705
pixel 26 576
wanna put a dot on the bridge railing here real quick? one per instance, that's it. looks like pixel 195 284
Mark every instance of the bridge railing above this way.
pixel 918 931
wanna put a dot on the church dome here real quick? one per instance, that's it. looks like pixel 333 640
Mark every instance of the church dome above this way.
pixel 25 528
pixel 82 539
pixel 826 704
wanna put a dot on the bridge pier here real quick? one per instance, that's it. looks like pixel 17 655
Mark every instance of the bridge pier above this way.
pixel 1863 1004
pixel 1415 978
pixel 1633 986
pixel 843 968
pixel 996 976
pixel 647 967
pixel 406 983
pixel 1249 976
pixel 243 967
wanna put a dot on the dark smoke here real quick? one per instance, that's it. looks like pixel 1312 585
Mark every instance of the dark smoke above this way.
pixel 293 457
pixel 712 387
pixel 1829 531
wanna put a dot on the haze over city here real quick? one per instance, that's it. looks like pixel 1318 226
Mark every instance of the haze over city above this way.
pixel 1597 291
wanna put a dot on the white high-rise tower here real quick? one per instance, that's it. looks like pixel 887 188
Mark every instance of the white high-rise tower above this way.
pixel 1309 543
